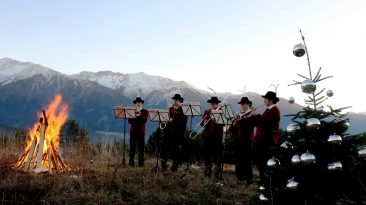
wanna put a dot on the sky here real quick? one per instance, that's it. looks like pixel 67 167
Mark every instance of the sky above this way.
pixel 230 46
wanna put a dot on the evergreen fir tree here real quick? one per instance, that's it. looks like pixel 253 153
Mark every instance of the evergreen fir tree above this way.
pixel 317 162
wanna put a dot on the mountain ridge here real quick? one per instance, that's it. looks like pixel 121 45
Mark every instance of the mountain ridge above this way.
pixel 92 102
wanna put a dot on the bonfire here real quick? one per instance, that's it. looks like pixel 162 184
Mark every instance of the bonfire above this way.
pixel 41 152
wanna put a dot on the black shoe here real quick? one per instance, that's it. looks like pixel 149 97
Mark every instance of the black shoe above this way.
pixel 164 167
pixel 174 168
pixel 218 175
pixel 248 182
pixel 207 172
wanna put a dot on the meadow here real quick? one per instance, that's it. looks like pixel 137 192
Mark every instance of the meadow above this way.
pixel 96 177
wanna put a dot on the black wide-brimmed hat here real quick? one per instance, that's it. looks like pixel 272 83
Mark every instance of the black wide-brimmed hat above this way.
pixel 178 97
pixel 245 100
pixel 214 99
pixel 271 96
pixel 138 99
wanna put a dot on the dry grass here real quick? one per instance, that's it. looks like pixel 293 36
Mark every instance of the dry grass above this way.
pixel 101 183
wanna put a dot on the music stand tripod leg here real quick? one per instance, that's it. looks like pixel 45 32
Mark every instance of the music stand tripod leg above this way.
pixel 156 168
pixel 220 180
pixel 124 143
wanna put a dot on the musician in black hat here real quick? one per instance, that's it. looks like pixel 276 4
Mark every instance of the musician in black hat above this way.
pixel 174 134
pixel 267 133
pixel 242 132
pixel 137 132
pixel 212 139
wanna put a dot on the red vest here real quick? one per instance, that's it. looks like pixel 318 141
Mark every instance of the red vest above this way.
pixel 138 124
pixel 178 124
pixel 244 128
pixel 268 126
pixel 212 129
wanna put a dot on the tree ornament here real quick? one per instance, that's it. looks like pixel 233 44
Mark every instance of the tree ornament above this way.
pixel 308 158
pixel 286 145
pixel 308 86
pixel 313 123
pixel 291 100
pixel 335 166
pixel 295 159
pixel 273 162
pixel 291 128
pixel 292 184
pixel 330 93
pixel 362 152
pixel 262 197
pixel 299 50
pixel 334 139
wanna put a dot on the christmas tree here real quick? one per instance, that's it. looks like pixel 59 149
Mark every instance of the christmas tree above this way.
pixel 316 162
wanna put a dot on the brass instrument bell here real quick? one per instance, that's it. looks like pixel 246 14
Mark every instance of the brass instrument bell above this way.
pixel 138 113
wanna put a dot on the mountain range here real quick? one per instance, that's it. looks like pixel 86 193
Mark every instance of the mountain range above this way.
pixel 26 88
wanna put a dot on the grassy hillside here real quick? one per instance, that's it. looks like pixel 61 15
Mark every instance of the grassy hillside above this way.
pixel 95 179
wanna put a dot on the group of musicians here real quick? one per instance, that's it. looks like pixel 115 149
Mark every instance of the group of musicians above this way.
pixel 253 135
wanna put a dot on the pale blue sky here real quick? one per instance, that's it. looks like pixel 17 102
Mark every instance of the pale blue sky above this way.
pixel 221 44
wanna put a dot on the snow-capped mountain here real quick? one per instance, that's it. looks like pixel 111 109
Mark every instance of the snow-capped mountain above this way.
pixel 12 70
pixel 25 88
pixel 131 84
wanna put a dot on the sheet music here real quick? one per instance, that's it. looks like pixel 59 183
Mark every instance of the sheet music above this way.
pixel 130 112
pixel 192 109
pixel 220 118
pixel 119 112
pixel 159 115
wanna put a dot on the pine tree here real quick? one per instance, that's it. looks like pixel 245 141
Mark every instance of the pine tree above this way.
pixel 317 162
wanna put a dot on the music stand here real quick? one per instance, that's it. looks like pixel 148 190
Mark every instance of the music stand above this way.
pixel 191 109
pixel 124 113
pixel 228 113
pixel 161 116
pixel 220 118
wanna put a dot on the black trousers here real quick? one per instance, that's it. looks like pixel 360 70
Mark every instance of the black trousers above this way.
pixel 243 159
pixel 139 140
pixel 212 148
pixel 171 147
pixel 260 156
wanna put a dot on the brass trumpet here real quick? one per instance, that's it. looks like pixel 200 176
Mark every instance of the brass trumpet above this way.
pixel 138 113
pixel 208 119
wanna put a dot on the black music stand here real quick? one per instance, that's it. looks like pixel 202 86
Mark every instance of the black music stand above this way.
pixel 124 113
pixel 228 113
pixel 191 109
pixel 161 116
pixel 220 117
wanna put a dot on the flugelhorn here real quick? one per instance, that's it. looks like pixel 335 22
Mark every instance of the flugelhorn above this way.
pixel 138 113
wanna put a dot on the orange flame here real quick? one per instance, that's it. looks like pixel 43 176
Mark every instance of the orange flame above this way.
pixel 56 114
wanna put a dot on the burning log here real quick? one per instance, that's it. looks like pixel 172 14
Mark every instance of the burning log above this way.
pixel 41 152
